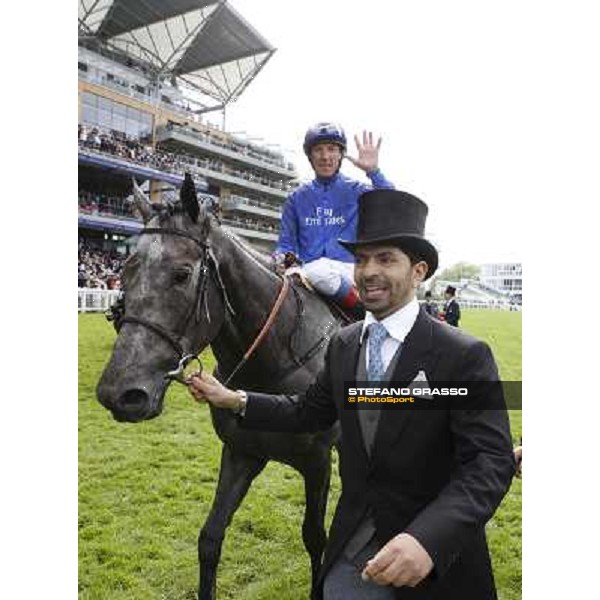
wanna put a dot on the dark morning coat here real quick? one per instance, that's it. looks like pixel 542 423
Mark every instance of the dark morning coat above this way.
pixel 452 315
pixel 438 475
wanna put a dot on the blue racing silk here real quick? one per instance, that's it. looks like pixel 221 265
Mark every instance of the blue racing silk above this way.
pixel 319 212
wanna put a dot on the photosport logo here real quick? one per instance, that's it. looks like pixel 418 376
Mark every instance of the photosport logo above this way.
pixel 423 395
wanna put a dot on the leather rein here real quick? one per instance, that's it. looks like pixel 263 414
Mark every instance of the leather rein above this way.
pixel 207 259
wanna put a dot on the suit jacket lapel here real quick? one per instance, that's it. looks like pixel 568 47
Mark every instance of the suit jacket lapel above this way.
pixel 416 350
pixel 350 339
pixel 417 354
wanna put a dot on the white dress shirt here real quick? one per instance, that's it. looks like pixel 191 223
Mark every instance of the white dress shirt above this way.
pixel 398 325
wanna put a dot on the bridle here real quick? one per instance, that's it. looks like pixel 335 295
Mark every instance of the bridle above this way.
pixel 173 340
pixel 207 260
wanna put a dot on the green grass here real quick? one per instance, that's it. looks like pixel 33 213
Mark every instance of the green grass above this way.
pixel 502 331
pixel 145 490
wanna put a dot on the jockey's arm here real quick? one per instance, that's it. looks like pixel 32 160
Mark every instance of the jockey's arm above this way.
pixel 378 180
pixel 286 251
pixel 288 235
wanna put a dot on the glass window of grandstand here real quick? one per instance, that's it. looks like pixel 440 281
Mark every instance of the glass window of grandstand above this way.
pixel 107 114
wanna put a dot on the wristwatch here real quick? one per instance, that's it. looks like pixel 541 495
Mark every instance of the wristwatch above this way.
pixel 241 409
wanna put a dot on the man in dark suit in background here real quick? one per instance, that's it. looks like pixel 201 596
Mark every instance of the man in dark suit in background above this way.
pixel 451 308
pixel 430 306
pixel 418 486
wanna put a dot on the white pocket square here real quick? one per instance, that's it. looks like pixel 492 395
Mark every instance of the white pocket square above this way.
pixel 420 381
pixel 421 377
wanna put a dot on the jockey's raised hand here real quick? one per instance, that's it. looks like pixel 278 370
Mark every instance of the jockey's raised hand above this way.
pixel 368 153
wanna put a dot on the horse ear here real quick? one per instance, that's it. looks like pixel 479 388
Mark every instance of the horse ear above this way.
pixel 189 200
pixel 141 202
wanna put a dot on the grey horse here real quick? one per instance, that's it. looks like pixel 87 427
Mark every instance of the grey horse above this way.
pixel 191 283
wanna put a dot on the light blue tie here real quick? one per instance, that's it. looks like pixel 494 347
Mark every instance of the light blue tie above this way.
pixel 377 335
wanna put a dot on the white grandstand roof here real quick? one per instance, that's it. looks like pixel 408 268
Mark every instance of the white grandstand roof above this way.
pixel 204 43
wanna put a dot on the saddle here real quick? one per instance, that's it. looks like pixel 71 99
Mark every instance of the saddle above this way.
pixel 299 279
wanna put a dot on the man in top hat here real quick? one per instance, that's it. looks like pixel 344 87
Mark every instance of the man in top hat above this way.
pixel 451 308
pixel 418 486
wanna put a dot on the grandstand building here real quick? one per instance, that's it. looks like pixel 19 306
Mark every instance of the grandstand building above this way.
pixel 498 285
pixel 506 278
pixel 149 75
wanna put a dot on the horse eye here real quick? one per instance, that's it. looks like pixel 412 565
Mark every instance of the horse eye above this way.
pixel 181 276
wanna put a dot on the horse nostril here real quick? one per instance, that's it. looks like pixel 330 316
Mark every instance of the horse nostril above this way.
pixel 133 400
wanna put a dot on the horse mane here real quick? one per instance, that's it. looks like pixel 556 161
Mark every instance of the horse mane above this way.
pixel 167 210
pixel 263 259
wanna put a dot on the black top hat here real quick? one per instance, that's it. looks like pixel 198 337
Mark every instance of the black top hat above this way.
pixel 450 290
pixel 394 218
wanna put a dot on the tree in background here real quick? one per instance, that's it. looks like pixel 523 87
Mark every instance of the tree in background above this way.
pixel 461 270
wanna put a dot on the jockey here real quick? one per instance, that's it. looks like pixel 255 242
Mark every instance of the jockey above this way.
pixel 316 214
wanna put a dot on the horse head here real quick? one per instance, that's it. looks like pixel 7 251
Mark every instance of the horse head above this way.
pixel 174 305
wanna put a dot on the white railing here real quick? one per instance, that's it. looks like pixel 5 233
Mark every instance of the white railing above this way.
pixel 482 305
pixel 488 305
pixel 95 300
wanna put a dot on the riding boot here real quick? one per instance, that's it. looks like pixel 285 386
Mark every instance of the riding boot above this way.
pixel 348 300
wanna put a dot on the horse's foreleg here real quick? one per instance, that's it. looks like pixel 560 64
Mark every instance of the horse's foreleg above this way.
pixel 317 476
pixel 235 476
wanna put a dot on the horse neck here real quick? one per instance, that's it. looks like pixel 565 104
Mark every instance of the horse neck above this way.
pixel 251 289
pixel 247 280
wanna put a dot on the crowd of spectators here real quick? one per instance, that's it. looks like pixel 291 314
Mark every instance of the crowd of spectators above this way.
pixel 104 205
pixel 113 142
pixel 215 164
pixel 98 268
pixel 254 202
pixel 101 269
pixel 118 144
pixel 234 146
pixel 211 134
pixel 91 203
pixel 249 223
